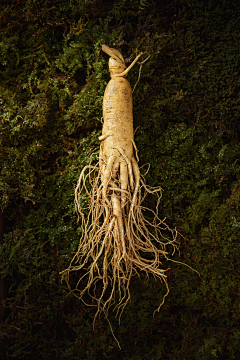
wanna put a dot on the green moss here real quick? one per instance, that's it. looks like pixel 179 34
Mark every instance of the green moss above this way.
pixel 186 105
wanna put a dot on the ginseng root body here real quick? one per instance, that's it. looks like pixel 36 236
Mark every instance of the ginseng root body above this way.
pixel 118 241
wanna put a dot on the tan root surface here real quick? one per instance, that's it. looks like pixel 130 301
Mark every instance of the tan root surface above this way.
pixel 118 241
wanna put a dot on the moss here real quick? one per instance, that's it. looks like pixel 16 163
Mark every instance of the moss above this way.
pixel 186 105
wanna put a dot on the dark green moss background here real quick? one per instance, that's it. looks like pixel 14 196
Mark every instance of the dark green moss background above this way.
pixel 186 105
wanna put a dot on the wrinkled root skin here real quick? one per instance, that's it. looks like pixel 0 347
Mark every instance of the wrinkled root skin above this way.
pixel 118 241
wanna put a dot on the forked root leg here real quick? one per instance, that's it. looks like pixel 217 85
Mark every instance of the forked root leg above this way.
pixel 118 241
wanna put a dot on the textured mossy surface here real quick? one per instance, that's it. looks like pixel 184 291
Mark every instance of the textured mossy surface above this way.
pixel 186 108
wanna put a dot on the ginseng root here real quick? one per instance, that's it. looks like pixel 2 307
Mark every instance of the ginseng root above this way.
pixel 118 241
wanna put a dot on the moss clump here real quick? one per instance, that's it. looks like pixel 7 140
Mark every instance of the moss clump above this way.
pixel 187 107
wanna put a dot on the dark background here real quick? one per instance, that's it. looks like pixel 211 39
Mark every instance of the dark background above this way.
pixel 186 107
